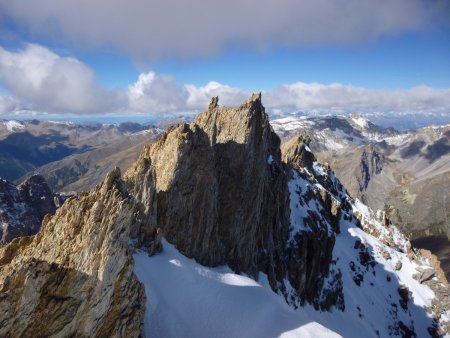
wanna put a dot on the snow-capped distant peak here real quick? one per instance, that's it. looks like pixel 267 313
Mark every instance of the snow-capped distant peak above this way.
pixel 360 121
pixel 64 123
pixel 13 125
pixel 291 123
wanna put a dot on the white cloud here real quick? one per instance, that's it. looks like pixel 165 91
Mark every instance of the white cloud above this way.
pixel 50 82
pixel 337 98
pixel 8 105
pixel 180 28
pixel 153 93
pixel 41 80
pixel 199 97
pixel 161 93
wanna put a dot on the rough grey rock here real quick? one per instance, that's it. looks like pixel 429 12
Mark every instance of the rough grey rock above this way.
pixel 309 254
pixel 371 164
pixel 295 152
pixel 425 275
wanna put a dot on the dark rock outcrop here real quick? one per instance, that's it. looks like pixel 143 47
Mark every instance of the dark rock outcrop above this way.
pixel 310 251
pixel 296 152
pixel 22 208
pixel 371 164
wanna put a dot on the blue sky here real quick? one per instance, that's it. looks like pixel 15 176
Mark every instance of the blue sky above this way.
pixel 407 60
pixel 152 57
pixel 390 63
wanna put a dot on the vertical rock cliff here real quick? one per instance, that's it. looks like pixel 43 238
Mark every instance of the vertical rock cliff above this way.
pixel 221 188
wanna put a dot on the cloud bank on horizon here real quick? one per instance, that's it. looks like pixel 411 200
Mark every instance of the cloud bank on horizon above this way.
pixel 39 79
pixel 43 81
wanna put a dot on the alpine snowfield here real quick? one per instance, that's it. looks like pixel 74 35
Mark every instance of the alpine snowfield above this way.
pixel 186 299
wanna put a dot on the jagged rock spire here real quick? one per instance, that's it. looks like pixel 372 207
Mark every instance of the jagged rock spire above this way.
pixel 219 201
pixel 296 152
pixel 214 103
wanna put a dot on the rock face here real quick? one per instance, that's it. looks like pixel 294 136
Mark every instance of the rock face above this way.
pixel 221 188
pixel 310 248
pixel 75 277
pixel 22 208
pixel 220 193
pixel 371 164
pixel 295 151
pixel 37 193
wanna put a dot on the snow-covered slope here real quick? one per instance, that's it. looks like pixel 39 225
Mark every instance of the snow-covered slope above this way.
pixel 373 264
pixel 186 299
pixel 13 125
pixel 379 270
pixel 333 133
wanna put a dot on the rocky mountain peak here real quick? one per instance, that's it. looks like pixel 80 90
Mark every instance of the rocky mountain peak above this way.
pixel 221 194
pixel 254 101
pixel 220 187
pixel 223 124
pixel 214 103
pixel 296 152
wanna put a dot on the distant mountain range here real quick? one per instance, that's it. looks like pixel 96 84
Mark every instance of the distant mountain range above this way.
pixel 26 147
pixel 402 121
pixel 407 174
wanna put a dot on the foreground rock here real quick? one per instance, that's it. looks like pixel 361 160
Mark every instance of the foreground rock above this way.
pixel 74 278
